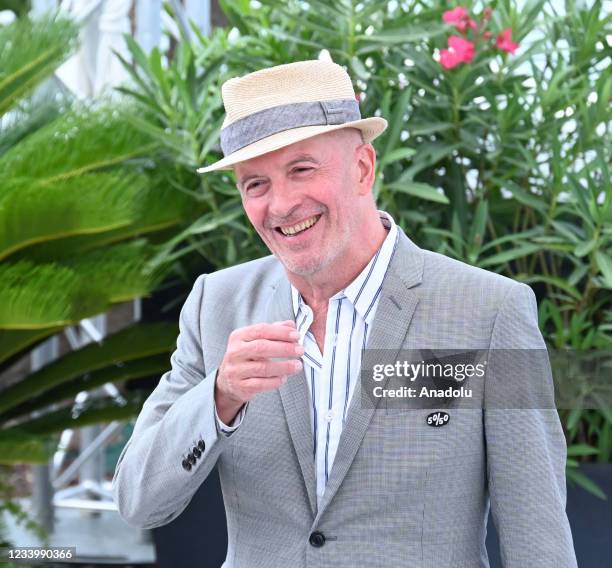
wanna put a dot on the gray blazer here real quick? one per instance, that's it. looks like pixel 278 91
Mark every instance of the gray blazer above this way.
pixel 400 493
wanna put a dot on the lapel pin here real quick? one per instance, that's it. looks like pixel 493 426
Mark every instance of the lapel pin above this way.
pixel 437 419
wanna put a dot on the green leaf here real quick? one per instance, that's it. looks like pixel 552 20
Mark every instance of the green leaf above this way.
pixel 420 190
pixel 405 35
pixel 477 230
pixel 396 155
pixel 604 262
pixel 581 450
pixel 360 69
pixel 554 281
pixel 585 247
pixel 524 197
pixel 587 484
pixel 510 254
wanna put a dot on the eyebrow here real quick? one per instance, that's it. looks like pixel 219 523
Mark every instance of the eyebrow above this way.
pixel 297 159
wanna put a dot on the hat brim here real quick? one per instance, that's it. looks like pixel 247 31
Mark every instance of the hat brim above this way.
pixel 370 127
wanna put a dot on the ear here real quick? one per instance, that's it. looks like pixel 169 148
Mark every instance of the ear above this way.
pixel 365 160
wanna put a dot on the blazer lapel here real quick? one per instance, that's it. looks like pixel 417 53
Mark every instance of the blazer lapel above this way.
pixel 294 396
pixel 393 315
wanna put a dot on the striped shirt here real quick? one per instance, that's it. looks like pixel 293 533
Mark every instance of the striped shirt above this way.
pixel 332 375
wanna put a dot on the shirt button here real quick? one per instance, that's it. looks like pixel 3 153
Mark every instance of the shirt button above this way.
pixel 330 415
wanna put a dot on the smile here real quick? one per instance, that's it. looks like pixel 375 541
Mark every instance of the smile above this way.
pixel 299 227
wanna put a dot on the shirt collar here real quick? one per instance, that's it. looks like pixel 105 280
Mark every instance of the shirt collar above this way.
pixel 363 291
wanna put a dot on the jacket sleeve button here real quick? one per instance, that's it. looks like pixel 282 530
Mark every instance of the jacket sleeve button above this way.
pixel 191 458
pixel 201 445
pixel 186 465
pixel 197 453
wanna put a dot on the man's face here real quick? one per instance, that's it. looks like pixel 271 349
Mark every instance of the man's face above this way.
pixel 303 201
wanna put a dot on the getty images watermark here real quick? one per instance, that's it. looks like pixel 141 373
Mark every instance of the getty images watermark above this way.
pixel 500 378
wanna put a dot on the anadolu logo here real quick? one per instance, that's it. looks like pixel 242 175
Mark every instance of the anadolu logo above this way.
pixel 437 419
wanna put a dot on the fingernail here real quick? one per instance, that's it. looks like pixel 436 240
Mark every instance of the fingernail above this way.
pixel 299 350
pixel 294 335
pixel 284 380
pixel 297 365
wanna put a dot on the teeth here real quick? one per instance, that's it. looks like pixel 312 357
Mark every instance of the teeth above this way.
pixel 300 226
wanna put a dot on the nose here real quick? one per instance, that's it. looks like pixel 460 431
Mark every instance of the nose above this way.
pixel 284 200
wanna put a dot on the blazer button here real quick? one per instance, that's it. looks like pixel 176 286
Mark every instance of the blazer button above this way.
pixel 197 453
pixel 317 539
pixel 191 458
pixel 201 445
pixel 186 465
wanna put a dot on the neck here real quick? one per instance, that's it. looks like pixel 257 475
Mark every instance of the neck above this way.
pixel 318 288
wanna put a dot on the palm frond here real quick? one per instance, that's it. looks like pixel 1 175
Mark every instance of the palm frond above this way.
pixel 77 142
pixel 26 118
pixel 117 372
pixel 97 411
pixel 36 296
pixel 135 342
pixel 32 211
pixel 29 52
pixel 124 271
pixel 158 207
pixel 15 344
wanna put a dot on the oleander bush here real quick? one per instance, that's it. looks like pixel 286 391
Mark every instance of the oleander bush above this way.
pixel 496 154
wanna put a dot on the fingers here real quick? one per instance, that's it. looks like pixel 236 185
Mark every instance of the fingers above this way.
pixel 264 348
pixel 281 331
pixel 266 368
pixel 251 363
pixel 261 384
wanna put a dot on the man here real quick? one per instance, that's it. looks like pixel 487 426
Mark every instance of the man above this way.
pixel 265 378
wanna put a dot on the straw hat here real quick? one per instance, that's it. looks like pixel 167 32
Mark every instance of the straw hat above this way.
pixel 274 107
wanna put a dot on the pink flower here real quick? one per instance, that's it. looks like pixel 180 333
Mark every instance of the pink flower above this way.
pixel 462 47
pixel 505 43
pixel 459 51
pixel 448 59
pixel 456 15
pixel 460 18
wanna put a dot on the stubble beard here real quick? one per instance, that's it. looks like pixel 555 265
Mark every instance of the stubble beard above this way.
pixel 317 262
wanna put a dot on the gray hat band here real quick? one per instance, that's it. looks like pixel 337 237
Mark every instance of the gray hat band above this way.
pixel 285 117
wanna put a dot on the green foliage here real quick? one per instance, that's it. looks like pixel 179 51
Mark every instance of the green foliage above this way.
pixel 30 52
pixel 83 213
pixel 10 505
pixel 501 163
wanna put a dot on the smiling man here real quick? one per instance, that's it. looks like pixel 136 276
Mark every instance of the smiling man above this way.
pixel 265 381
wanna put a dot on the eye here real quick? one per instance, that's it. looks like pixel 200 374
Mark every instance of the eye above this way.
pixel 256 186
pixel 302 169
